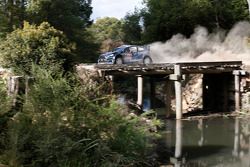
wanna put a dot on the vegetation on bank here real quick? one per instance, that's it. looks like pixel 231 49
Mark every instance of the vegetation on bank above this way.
pixel 64 122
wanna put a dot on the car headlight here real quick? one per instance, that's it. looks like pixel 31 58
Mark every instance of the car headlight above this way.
pixel 109 56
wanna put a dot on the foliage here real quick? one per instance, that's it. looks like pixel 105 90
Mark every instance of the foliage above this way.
pixel 164 18
pixel 4 23
pixel 42 45
pixel 107 28
pixel 70 16
pixel 107 32
pixel 67 15
pixel 63 124
pixel 12 14
pixel 131 28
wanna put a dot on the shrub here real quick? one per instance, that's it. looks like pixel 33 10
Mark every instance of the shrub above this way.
pixel 62 124
pixel 42 45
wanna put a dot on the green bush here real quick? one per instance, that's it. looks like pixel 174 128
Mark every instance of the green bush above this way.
pixel 64 125
pixel 42 45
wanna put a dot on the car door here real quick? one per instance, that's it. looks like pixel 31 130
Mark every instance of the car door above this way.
pixel 134 51
pixel 140 53
pixel 127 55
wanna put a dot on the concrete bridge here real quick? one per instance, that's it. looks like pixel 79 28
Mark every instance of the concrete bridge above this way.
pixel 220 79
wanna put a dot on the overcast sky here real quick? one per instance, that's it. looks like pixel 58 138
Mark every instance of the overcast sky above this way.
pixel 113 8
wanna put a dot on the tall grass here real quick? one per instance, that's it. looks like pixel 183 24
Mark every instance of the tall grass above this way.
pixel 65 123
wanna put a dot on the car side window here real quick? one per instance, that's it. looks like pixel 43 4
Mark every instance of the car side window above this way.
pixel 126 50
pixel 141 49
pixel 133 49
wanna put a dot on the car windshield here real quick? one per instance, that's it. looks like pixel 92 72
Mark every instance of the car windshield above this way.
pixel 118 49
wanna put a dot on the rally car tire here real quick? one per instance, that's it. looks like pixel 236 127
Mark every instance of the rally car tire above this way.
pixel 118 60
pixel 147 60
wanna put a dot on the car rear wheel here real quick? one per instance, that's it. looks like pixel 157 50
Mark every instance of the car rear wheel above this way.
pixel 147 60
pixel 118 60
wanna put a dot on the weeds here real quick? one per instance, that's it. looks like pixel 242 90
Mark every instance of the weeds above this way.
pixel 65 123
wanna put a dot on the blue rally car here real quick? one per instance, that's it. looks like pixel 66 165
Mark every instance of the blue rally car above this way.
pixel 126 54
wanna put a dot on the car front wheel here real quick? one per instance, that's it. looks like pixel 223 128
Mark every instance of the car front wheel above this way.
pixel 147 60
pixel 118 60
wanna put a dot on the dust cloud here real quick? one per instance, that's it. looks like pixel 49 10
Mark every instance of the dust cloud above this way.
pixel 205 46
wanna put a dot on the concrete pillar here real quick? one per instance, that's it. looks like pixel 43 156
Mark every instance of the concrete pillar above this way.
pixel 237 89
pixel 140 90
pixel 178 91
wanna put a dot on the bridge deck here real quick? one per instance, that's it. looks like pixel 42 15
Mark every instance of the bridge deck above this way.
pixel 219 84
pixel 168 68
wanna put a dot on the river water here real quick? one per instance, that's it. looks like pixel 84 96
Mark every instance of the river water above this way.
pixel 216 142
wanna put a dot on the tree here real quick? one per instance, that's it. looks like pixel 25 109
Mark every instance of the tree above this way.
pixel 107 32
pixel 70 16
pixel 227 13
pixel 164 18
pixel 42 45
pixel 131 28
pixel 107 28
pixel 12 15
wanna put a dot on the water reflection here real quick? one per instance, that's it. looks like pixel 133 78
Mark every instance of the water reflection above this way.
pixel 236 138
pixel 177 160
pixel 210 142
pixel 200 128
